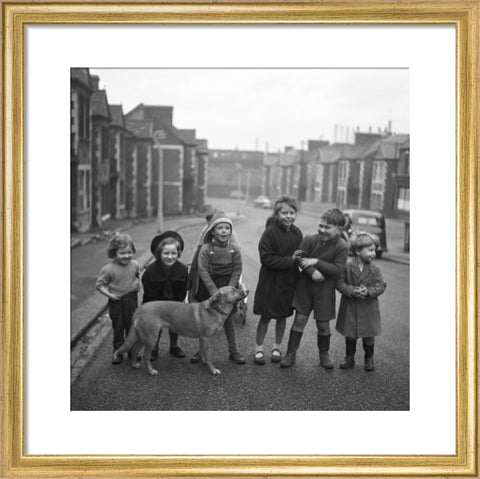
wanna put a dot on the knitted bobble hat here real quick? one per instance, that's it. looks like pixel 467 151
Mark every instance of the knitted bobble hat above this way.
pixel 217 218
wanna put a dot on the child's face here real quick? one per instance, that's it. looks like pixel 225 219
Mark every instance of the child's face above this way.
pixel 286 215
pixel 327 231
pixel 124 254
pixel 222 233
pixel 169 254
pixel 367 254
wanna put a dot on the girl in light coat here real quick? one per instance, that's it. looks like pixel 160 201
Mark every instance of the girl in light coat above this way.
pixel 359 312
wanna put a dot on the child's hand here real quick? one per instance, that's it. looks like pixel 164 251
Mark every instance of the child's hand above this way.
pixel 306 262
pixel 364 291
pixel 317 277
pixel 296 254
pixel 115 297
pixel 357 292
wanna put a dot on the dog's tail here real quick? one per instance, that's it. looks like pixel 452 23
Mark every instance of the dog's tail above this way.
pixel 131 340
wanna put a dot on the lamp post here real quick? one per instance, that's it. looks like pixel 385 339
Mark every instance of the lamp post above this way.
pixel 158 136
pixel 238 169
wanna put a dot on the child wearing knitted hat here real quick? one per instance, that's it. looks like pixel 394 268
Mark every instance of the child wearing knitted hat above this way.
pixel 219 263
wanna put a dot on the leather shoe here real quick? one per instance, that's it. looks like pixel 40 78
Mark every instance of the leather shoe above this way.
pixel 237 358
pixel 177 352
pixel 118 360
pixel 195 358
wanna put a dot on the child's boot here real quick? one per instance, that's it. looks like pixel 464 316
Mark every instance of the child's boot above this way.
pixel 293 344
pixel 323 343
pixel 351 348
pixel 369 357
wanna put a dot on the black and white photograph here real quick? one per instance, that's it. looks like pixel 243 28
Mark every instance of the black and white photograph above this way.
pixel 213 203
pixel 240 239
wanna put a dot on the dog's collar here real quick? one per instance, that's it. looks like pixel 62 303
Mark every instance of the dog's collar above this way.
pixel 213 307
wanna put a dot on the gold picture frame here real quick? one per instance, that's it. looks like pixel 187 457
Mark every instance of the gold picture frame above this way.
pixel 16 15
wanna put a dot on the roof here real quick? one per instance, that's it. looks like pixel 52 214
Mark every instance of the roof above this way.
pixel 99 104
pixel 82 75
pixel 387 147
pixel 189 135
pixel 116 115
pixel 405 144
pixel 140 128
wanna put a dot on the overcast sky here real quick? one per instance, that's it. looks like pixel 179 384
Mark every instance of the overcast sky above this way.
pixel 248 108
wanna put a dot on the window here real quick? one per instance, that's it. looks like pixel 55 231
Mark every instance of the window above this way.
pixel 376 201
pixel 403 200
pixel 84 194
pixel 379 171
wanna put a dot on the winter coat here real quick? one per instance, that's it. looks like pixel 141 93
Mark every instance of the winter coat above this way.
pixel 331 259
pixel 360 318
pixel 278 273
pixel 161 283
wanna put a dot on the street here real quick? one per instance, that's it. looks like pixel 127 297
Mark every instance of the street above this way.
pixel 306 386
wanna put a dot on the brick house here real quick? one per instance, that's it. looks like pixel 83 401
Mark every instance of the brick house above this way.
pixel 118 134
pixel 202 173
pixel 101 145
pixel 80 150
pixel 138 171
pixel 177 150
pixel 401 203
pixel 351 183
pixel 381 164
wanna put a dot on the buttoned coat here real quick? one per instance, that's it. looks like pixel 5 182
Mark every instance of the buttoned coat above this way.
pixel 360 318
pixel 278 274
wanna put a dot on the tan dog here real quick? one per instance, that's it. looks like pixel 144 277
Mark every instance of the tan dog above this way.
pixel 194 320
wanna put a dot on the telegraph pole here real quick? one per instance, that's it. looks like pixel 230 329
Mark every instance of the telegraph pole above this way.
pixel 238 169
pixel 158 136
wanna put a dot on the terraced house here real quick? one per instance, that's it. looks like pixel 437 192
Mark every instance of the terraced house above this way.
pixel 122 163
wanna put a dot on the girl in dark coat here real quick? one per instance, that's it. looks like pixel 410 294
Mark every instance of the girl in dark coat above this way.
pixel 166 279
pixel 278 275
pixel 359 313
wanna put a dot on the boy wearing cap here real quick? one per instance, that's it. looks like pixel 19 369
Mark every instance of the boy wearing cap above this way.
pixel 219 263
pixel 166 279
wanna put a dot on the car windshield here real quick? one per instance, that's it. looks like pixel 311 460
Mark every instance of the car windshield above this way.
pixel 368 220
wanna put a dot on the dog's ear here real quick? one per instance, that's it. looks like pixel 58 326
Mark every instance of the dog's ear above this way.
pixel 215 297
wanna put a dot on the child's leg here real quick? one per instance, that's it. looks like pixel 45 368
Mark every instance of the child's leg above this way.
pixel 129 304
pixel 351 348
pixel 115 313
pixel 234 356
pixel 261 332
pixel 175 349
pixel 280 330
pixel 262 327
pixel 368 346
pixel 294 339
pixel 323 343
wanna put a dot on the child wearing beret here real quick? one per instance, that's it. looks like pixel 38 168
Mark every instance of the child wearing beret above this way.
pixel 166 279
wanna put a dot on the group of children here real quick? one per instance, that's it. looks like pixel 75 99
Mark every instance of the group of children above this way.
pixel 297 275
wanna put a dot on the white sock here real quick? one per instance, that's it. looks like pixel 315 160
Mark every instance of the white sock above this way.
pixel 275 346
pixel 258 347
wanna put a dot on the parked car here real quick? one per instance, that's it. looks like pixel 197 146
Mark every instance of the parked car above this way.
pixel 262 202
pixel 372 222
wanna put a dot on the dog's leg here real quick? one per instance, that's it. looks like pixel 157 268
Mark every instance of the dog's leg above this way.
pixel 136 355
pixel 205 354
pixel 146 357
